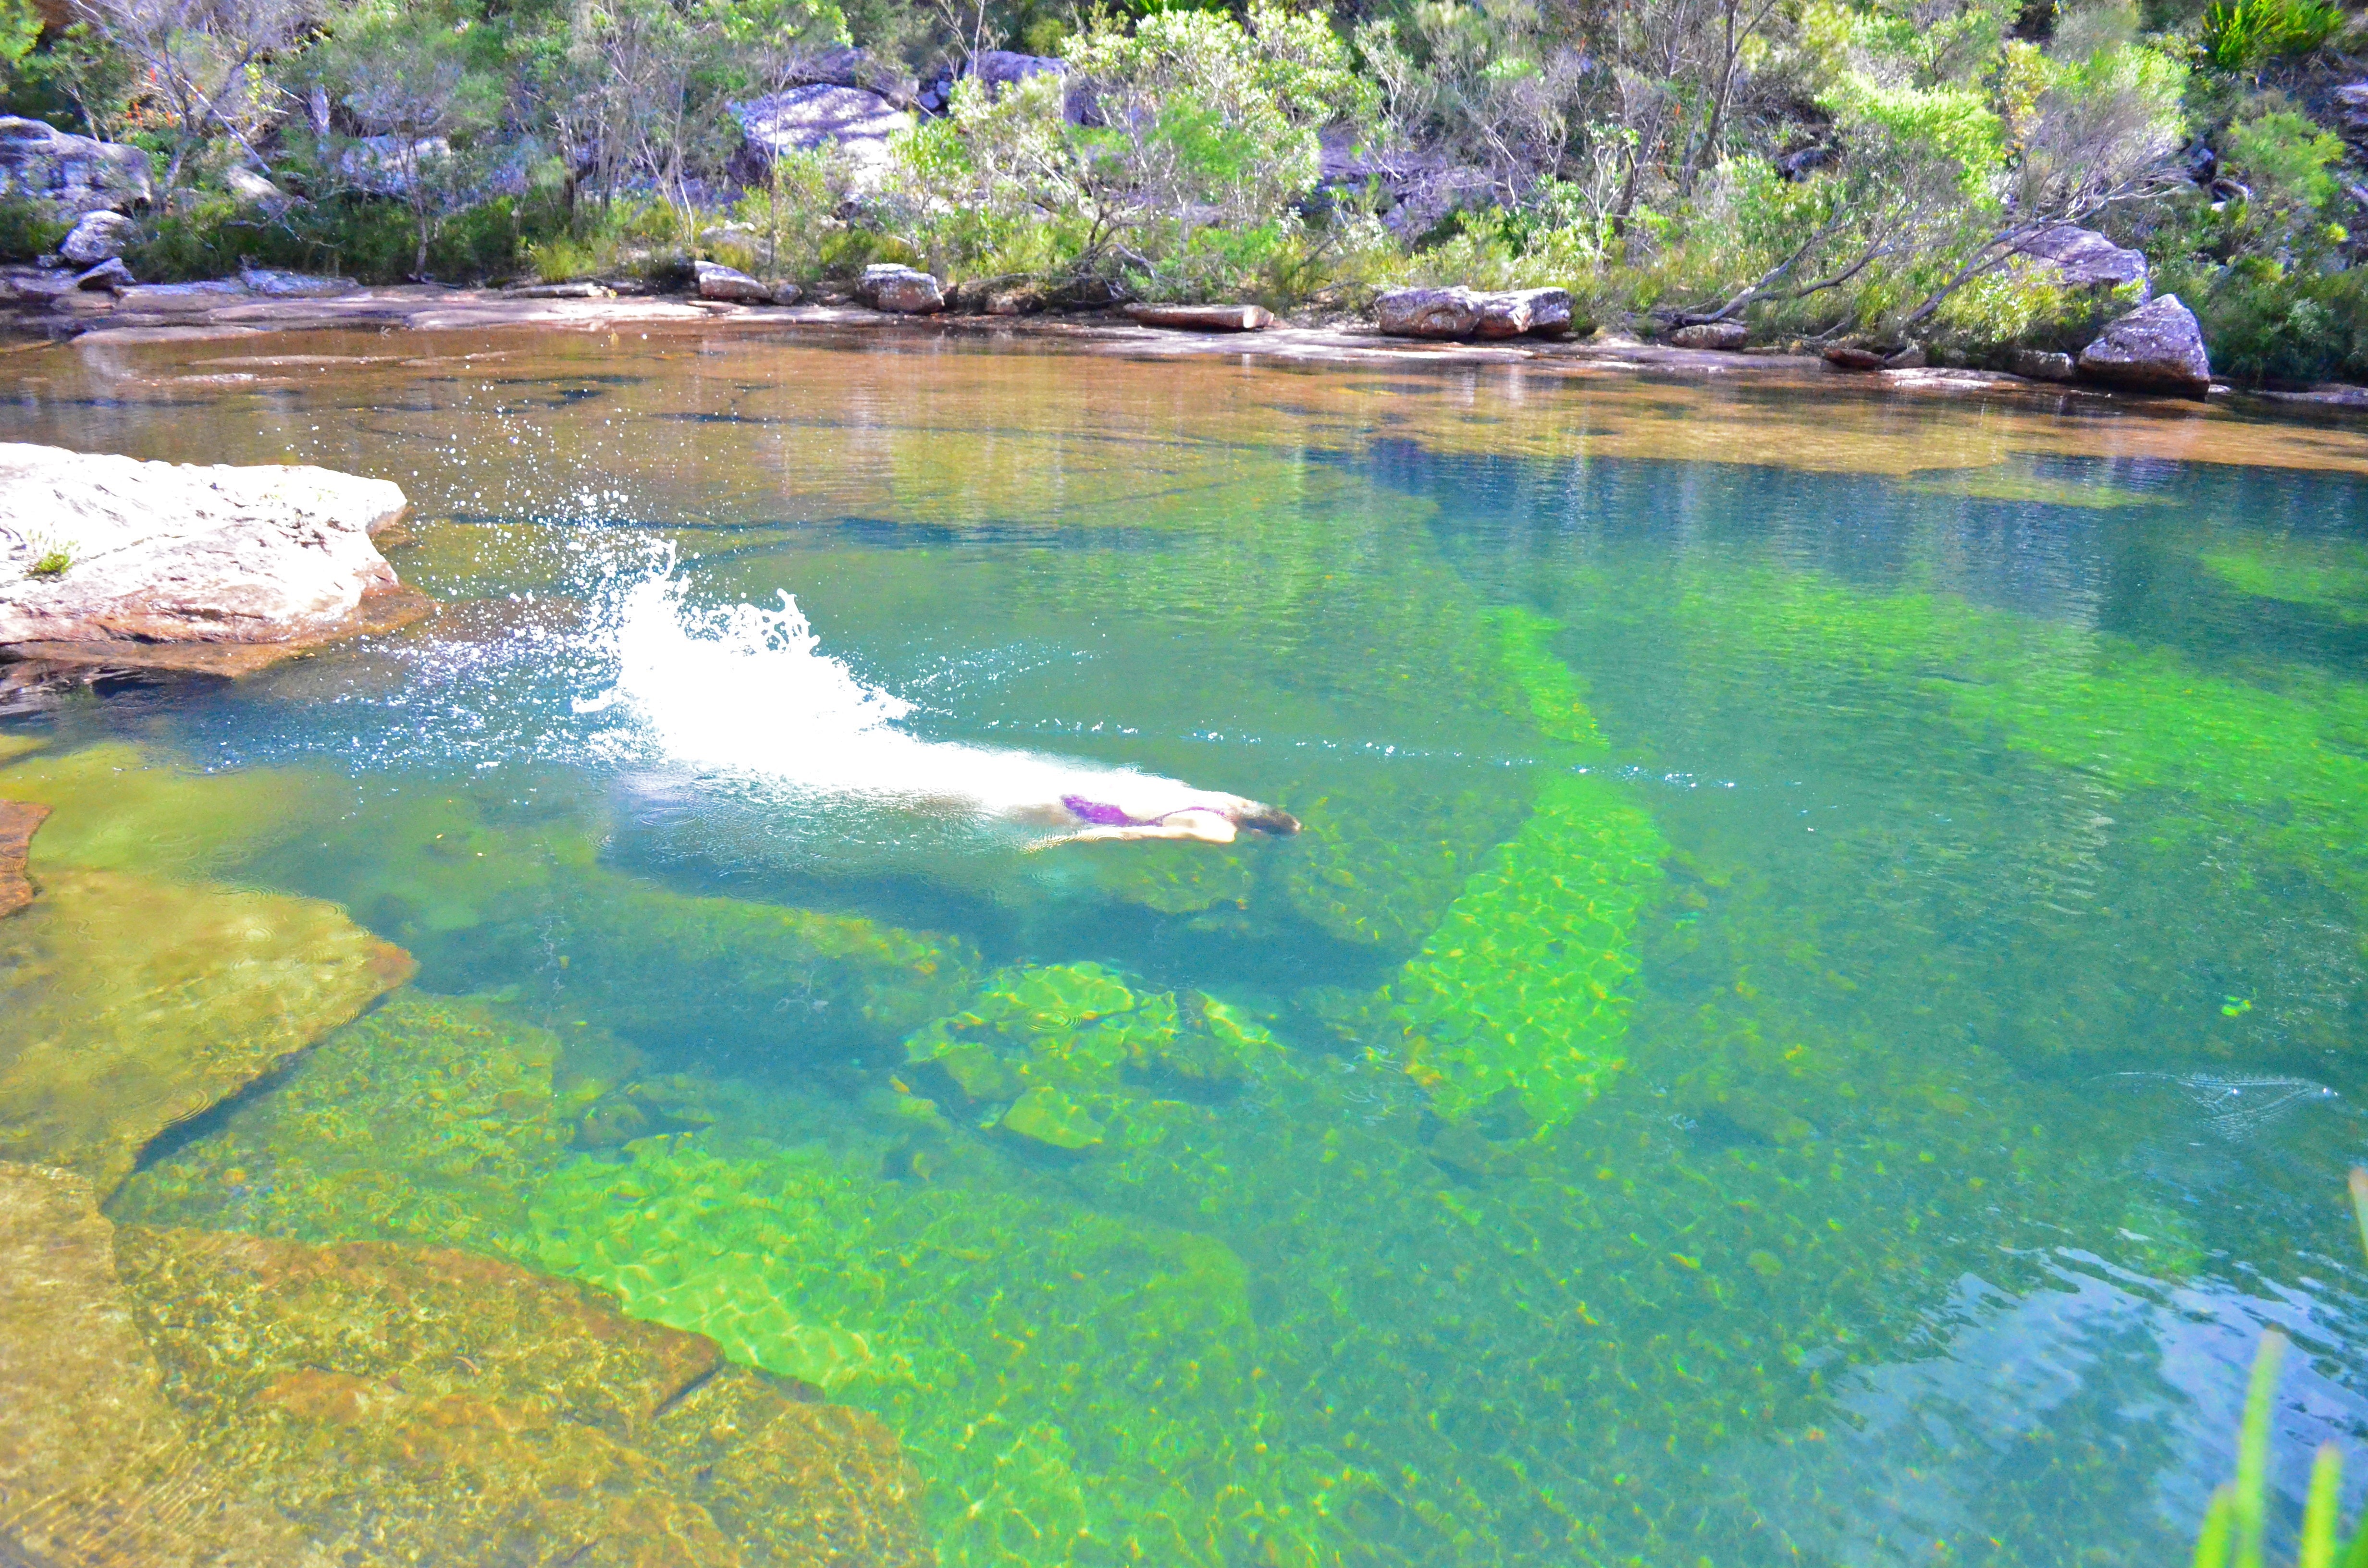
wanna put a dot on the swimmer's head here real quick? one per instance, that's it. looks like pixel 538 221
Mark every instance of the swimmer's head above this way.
pixel 1263 818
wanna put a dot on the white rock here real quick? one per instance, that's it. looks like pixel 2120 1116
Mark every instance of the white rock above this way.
pixel 253 189
pixel 2157 348
pixel 891 286
pixel 174 552
pixel 95 237
pixel 804 118
pixel 69 175
pixel 717 282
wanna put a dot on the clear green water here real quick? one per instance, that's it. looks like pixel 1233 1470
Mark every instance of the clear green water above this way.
pixel 1818 1009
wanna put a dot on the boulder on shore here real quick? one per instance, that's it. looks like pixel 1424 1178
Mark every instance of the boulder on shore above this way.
pixel 96 237
pixel 1727 337
pixel 2039 365
pixel 1470 312
pixel 716 281
pixel 1203 318
pixel 106 550
pixel 900 290
pixel 1428 313
pixel 2083 258
pixel 2157 348
pixel 69 175
pixel 860 122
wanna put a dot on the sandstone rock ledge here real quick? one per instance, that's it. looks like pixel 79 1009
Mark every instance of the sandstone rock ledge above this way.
pixel 108 561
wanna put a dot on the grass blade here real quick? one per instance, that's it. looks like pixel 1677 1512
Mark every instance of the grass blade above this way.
pixel 2253 1452
pixel 2360 1202
pixel 2318 1510
pixel 2219 1523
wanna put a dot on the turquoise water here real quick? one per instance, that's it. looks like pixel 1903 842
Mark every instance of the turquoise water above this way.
pixel 1817 1012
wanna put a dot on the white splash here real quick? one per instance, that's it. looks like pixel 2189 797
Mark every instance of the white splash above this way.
pixel 746 692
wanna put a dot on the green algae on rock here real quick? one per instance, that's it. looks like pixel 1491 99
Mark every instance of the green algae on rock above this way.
pixel 407 1406
pixel 127 1007
pixel 1076 1388
pixel 2326 575
pixel 1069 1044
pixel 94 1463
pixel 429 1119
pixel 1523 988
pixel 120 809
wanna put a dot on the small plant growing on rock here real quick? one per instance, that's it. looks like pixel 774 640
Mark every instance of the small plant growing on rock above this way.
pixel 51 556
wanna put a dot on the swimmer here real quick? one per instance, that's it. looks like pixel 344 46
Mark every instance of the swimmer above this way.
pixel 1139 813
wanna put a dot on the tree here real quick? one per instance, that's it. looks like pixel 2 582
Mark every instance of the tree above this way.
pixel 413 86
pixel 201 62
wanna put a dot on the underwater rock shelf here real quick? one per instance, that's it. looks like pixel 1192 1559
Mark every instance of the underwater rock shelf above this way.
pixel 194 1396
pixel 110 562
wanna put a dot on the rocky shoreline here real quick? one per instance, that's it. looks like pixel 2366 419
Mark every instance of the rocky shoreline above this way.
pixel 205 313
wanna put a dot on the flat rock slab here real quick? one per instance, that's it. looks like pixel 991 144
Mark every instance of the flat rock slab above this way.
pixel 418 1405
pixel 161 553
pixel 128 1007
pixel 1204 318
pixel 17 820
pixel 94 1463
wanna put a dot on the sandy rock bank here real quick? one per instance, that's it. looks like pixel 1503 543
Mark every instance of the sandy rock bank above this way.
pixel 239 564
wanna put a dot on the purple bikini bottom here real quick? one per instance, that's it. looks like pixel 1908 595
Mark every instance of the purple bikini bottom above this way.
pixel 1098 813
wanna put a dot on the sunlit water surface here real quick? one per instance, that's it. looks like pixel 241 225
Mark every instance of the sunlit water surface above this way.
pixel 1817 1011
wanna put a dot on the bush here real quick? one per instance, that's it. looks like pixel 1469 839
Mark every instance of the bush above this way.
pixel 28 232
pixel 2239 35
pixel 363 238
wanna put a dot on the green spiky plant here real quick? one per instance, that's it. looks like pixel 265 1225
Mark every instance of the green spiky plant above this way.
pixel 2238 1518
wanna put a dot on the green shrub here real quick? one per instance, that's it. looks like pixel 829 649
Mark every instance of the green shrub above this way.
pixel 2239 35
pixel 27 231
pixel 348 237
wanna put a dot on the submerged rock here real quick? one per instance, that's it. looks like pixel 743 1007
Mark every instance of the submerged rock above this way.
pixel 67 174
pixel 406 1405
pixel 1072 1046
pixel 94 1465
pixel 426 1120
pixel 128 1007
pixel 2157 348
pixel 18 819
pixel 113 552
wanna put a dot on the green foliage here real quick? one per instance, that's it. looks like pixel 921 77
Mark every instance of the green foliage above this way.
pixel 51 563
pixel 353 236
pixel 2285 156
pixel 27 230
pixel 2241 35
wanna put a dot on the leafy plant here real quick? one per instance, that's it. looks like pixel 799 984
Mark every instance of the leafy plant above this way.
pixel 2237 1520
pixel 51 563
pixel 2239 35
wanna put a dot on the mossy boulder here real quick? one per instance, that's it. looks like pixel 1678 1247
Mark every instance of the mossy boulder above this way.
pixel 128 1005
pixel 408 1405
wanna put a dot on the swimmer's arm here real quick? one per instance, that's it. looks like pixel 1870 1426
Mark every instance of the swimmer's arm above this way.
pixel 1216 831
